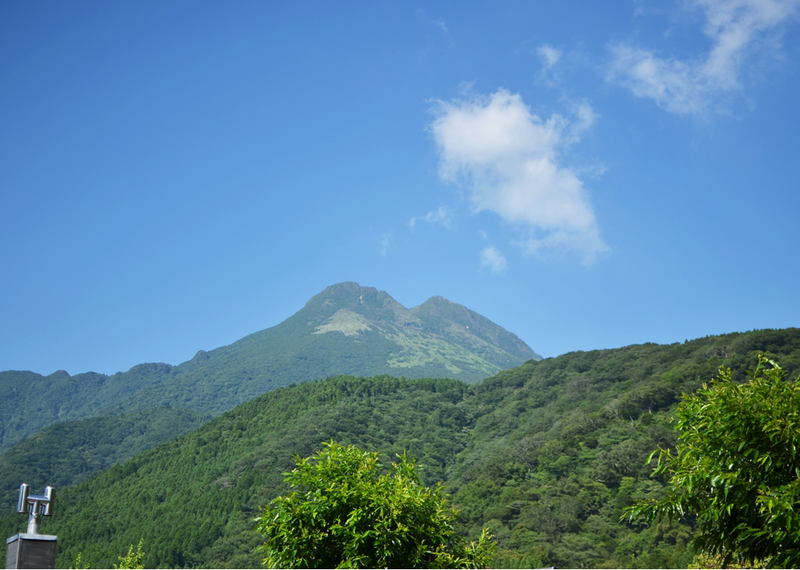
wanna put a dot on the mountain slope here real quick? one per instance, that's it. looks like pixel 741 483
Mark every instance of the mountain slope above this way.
pixel 547 455
pixel 67 453
pixel 346 329
pixel 31 401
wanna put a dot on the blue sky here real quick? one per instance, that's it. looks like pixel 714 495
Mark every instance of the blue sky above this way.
pixel 177 175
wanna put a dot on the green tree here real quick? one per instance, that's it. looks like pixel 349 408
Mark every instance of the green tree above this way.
pixel 78 563
pixel 132 560
pixel 737 468
pixel 351 511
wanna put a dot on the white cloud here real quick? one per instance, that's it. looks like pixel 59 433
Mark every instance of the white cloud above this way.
pixel 549 56
pixel 493 259
pixel 384 243
pixel 673 85
pixel 507 159
pixel 439 216
pixel 687 87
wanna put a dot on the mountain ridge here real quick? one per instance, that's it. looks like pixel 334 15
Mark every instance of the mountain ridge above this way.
pixel 373 334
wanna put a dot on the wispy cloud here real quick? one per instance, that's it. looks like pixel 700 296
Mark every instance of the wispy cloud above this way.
pixel 494 260
pixel 439 216
pixel 384 243
pixel 549 57
pixel 437 23
pixel 690 86
pixel 508 160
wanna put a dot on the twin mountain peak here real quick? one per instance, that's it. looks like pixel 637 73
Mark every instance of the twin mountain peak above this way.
pixel 349 329
pixel 344 330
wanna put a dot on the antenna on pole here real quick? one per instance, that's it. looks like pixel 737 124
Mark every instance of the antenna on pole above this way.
pixel 31 549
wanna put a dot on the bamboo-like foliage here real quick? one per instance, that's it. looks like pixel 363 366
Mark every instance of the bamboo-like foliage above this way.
pixel 737 468
pixel 351 511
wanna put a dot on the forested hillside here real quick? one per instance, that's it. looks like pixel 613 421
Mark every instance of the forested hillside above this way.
pixel 547 455
pixel 68 453
pixel 32 401
pixel 346 329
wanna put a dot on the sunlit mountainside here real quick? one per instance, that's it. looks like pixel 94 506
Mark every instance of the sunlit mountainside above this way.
pixel 546 455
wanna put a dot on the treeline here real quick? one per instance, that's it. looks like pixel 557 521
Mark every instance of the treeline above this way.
pixel 547 455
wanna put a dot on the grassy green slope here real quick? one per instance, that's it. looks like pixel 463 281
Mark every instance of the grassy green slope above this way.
pixel 475 333
pixel 348 329
pixel 547 455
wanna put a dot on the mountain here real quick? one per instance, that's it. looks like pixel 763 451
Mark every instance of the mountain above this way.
pixel 546 455
pixel 346 329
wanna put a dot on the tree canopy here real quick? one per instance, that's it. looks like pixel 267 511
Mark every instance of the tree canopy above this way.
pixel 737 468
pixel 351 511
pixel 546 456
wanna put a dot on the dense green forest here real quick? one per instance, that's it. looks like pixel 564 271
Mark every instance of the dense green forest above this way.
pixel 67 453
pixel 547 455
pixel 346 329
pixel 32 402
